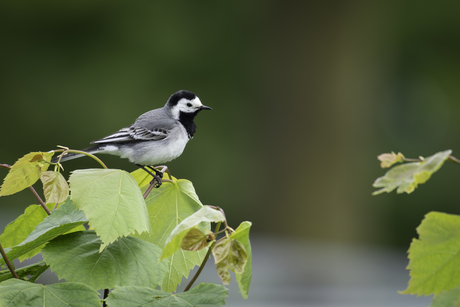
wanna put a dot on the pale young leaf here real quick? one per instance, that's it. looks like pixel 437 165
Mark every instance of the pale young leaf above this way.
pixel 55 187
pixel 388 159
pixel 25 172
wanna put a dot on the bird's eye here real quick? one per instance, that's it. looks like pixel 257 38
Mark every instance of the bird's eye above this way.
pixel 189 104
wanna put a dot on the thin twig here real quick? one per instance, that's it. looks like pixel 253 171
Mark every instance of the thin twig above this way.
pixel 154 181
pixel 165 168
pixel 5 165
pixel 150 188
pixel 8 263
pixel 40 200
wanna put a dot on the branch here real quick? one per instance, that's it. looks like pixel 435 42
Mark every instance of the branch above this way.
pixel 153 183
pixel 8 263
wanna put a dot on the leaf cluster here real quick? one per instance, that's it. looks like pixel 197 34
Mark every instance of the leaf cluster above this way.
pixel 109 229
pixel 434 257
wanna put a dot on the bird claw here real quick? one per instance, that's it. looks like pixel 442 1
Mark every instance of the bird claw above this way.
pixel 158 178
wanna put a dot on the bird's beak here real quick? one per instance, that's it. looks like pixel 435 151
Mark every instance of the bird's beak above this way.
pixel 203 107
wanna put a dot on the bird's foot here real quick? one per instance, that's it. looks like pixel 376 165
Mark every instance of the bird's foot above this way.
pixel 156 177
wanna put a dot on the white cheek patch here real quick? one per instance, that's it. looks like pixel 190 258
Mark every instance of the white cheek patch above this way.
pixel 197 102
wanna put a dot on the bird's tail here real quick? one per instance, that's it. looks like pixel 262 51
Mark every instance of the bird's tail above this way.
pixel 73 155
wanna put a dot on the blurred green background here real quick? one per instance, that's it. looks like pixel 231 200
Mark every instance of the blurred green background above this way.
pixel 305 95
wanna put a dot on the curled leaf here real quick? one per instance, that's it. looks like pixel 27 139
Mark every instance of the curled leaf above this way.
pixel 229 254
pixel 204 215
pixel 196 239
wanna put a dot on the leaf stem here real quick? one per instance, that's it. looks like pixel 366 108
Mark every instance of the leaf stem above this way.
pixel 8 263
pixel 223 213
pixel 83 153
pixel 208 254
pixel 450 158
pixel 40 200
pixel 453 159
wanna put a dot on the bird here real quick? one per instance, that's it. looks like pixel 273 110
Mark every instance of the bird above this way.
pixel 156 137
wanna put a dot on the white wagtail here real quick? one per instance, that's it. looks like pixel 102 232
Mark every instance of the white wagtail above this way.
pixel 156 137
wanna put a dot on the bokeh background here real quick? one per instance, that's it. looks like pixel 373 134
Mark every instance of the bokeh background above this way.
pixel 305 95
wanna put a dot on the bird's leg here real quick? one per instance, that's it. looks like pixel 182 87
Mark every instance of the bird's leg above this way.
pixel 158 173
pixel 157 176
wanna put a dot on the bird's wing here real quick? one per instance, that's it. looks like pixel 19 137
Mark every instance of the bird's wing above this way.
pixel 151 126
pixel 133 133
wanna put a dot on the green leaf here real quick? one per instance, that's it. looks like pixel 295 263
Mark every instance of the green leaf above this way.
pixel 180 265
pixel 32 270
pixel 244 279
pixel 229 254
pixel 174 241
pixel 61 221
pixel 55 187
pixel 112 201
pixel 19 293
pixel 25 172
pixel 168 206
pixel 449 298
pixel 128 261
pixel 18 230
pixel 196 239
pixel 209 295
pixel 407 177
pixel 434 258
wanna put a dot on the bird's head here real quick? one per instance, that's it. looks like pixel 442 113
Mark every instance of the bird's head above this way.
pixel 185 102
